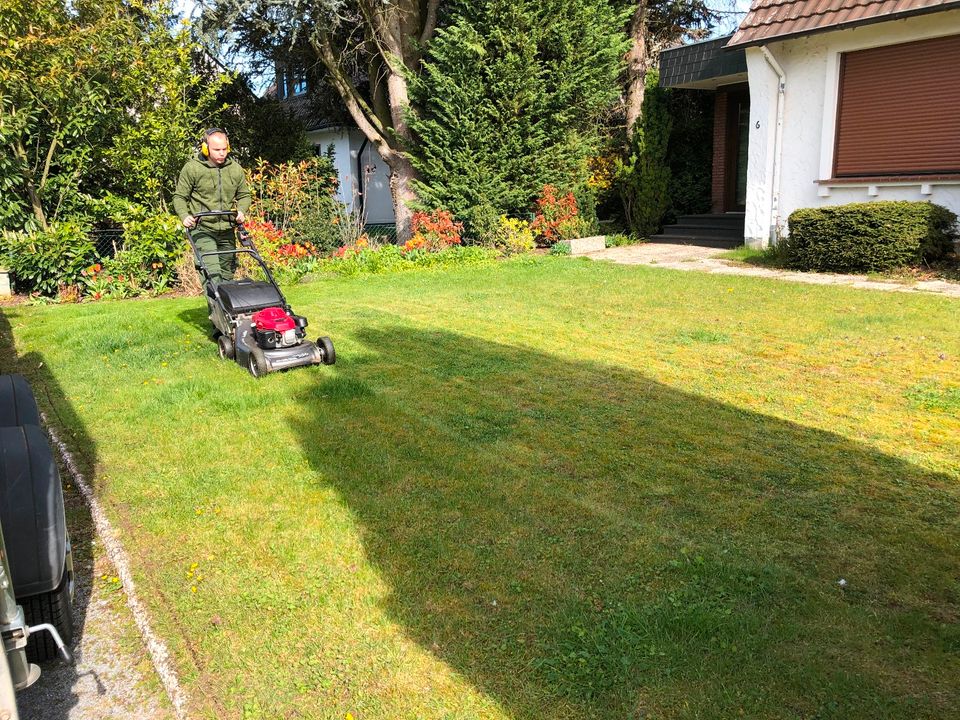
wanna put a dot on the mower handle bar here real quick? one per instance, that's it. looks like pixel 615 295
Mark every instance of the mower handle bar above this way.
pixel 215 213
pixel 249 249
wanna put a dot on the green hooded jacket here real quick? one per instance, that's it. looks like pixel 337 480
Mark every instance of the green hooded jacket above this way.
pixel 204 186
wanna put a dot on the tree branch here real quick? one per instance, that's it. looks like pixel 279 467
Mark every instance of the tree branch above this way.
pixel 361 113
pixel 429 22
pixel 386 41
pixel 46 163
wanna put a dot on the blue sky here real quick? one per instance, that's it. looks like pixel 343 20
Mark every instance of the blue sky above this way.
pixel 729 22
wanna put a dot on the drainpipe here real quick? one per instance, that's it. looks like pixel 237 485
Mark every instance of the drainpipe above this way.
pixel 777 144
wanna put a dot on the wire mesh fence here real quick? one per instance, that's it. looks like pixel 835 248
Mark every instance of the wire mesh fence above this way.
pixel 107 241
pixel 381 233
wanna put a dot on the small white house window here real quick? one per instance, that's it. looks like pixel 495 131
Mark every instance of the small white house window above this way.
pixel 298 83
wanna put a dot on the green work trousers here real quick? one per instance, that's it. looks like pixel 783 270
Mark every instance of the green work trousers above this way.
pixel 220 267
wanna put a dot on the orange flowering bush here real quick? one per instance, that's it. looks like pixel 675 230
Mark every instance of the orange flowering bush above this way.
pixel 433 231
pixel 300 200
pixel 556 217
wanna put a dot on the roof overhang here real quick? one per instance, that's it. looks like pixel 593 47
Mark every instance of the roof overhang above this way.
pixel 704 65
pixel 772 23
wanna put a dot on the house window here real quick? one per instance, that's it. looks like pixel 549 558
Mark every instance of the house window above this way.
pixel 298 83
pixel 898 110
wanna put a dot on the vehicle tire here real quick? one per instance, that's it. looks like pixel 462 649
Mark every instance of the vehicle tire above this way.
pixel 18 406
pixel 326 349
pixel 32 512
pixel 256 365
pixel 225 346
pixel 55 608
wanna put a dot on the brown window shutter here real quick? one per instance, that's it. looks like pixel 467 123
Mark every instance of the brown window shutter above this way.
pixel 899 110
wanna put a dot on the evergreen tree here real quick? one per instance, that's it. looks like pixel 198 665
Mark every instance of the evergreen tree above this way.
pixel 508 101
pixel 644 178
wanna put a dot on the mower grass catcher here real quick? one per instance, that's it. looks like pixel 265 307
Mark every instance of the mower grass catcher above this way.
pixel 252 321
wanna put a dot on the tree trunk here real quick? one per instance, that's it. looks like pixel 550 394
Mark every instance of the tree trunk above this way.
pixel 637 62
pixel 30 187
pixel 402 171
pixel 402 175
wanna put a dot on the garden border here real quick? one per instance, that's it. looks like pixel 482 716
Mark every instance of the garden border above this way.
pixel 159 654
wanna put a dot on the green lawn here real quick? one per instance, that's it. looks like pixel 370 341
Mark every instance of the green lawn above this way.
pixel 541 489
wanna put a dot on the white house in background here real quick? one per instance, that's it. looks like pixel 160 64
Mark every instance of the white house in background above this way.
pixel 845 101
pixel 364 178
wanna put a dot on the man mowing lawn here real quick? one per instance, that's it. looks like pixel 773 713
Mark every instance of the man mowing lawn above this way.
pixel 212 181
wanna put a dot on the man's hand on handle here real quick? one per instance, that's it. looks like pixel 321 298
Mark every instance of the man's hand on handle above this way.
pixel 190 221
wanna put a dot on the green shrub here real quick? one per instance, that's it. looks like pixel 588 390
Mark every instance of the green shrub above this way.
pixel 869 236
pixel 512 236
pixel 392 258
pixel 619 240
pixel 643 178
pixel 41 262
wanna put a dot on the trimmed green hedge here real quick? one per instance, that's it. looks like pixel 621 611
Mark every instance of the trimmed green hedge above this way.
pixel 869 236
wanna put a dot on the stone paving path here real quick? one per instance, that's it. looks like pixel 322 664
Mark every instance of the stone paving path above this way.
pixel 704 259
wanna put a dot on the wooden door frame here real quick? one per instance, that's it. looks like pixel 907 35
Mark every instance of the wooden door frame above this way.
pixel 736 96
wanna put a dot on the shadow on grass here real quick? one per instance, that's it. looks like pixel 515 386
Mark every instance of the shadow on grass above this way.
pixel 197 317
pixel 53 697
pixel 580 541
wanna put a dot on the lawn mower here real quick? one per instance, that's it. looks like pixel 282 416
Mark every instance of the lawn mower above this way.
pixel 253 323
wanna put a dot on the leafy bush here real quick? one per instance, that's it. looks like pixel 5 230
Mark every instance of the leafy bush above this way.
pixel 690 151
pixel 391 258
pixel 433 231
pixel 151 249
pixel 618 240
pixel 288 260
pixel 41 262
pixel 556 217
pixel 510 99
pixel 869 236
pixel 512 236
pixel 560 248
pixel 300 200
pixel 644 178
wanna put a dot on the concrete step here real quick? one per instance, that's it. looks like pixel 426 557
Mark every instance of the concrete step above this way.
pixel 710 220
pixel 692 229
pixel 700 240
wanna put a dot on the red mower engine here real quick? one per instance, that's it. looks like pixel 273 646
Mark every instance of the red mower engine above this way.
pixel 276 328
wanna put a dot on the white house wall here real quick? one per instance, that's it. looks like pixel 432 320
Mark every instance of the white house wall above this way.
pixel 811 66
pixel 339 138
pixel 374 176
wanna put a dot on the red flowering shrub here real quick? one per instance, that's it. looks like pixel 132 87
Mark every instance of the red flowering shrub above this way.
pixel 433 231
pixel 556 217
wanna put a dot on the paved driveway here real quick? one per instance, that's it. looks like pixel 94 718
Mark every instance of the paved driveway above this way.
pixel 705 259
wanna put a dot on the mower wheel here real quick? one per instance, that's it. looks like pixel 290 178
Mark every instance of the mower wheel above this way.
pixel 326 350
pixel 256 365
pixel 225 345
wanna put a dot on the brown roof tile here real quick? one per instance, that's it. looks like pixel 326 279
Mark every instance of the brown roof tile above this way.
pixel 774 19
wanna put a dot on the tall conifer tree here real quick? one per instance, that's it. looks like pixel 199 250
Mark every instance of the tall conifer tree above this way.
pixel 508 101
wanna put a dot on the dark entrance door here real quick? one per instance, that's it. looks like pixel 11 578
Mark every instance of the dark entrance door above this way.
pixel 737 142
